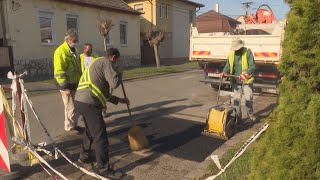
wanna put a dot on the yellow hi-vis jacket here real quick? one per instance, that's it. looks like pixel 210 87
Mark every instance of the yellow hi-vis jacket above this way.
pixel 99 78
pixel 66 68
pixel 94 57
pixel 244 64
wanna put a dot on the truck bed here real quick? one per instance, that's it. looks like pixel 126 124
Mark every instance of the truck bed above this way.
pixel 216 46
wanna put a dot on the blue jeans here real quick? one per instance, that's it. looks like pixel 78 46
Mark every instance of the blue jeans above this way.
pixel 248 94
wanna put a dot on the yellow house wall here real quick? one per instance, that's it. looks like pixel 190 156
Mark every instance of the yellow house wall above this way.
pixel 24 28
pixel 146 18
pixel 177 25
pixel 164 22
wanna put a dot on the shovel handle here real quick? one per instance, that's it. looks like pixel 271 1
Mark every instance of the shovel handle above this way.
pixel 125 95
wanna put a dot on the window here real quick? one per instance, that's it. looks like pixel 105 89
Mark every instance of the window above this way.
pixel 46 29
pixel 72 22
pixel 123 33
pixel 160 10
pixel 191 16
pixel 166 11
pixel 163 10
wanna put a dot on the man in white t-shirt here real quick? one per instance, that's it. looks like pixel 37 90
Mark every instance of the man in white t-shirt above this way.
pixel 87 58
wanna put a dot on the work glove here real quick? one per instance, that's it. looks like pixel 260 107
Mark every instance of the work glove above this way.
pixel 244 76
pixel 124 101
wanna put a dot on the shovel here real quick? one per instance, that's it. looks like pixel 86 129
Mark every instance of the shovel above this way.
pixel 137 139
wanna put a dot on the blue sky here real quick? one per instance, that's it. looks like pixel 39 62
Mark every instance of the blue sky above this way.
pixel 234 8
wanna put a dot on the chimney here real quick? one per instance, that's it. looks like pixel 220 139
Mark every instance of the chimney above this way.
pixel 217 8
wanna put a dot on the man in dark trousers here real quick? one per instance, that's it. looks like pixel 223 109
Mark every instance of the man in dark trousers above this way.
pixel 94 91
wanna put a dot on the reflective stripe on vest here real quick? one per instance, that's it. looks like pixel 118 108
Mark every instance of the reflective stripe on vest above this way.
pixel 244 63
pixel 85 82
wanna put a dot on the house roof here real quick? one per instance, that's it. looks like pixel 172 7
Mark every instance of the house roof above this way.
pixel 193 3
pixel 212 21
pixel 116 5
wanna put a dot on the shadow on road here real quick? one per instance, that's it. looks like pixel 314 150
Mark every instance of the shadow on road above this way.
pixel 147 106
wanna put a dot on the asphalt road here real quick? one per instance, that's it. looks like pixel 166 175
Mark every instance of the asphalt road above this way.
pixel 171 110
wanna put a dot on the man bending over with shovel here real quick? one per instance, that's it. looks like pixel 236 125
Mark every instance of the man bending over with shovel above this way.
pixel 94 91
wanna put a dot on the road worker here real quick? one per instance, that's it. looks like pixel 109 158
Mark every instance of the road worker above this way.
pixel 87 57
pixel 241 63
pixel 94 91
pixel 67 75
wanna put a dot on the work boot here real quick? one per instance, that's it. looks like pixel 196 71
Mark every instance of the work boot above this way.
pixel 77 130
pixel 112 174
pixel 85 158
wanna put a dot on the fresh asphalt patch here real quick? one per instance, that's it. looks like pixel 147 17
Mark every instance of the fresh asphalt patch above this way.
pixel 172 136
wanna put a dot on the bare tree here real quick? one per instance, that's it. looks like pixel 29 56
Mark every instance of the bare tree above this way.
pixel 104 26
pixel 155 36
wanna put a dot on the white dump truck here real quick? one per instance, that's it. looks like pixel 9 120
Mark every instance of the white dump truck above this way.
pixel 211 51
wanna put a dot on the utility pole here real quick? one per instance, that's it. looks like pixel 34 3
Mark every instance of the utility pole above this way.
pixel 246 6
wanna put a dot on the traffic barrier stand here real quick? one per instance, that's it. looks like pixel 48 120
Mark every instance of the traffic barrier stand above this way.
pixel 19 132
pixel 7 170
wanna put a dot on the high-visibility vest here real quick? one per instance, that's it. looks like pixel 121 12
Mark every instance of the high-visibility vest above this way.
pixel 66 69
pixel 86 83
pixel 94 57
pixel 244 63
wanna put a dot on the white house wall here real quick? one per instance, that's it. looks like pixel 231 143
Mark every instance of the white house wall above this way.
pixel 24 30
pixel 181 30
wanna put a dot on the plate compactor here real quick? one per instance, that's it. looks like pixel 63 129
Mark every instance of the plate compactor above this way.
pixel 222 119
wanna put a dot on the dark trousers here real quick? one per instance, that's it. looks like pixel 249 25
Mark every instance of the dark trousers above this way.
pixel 95 133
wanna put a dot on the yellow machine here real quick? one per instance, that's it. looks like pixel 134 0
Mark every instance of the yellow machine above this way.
pixel 221 119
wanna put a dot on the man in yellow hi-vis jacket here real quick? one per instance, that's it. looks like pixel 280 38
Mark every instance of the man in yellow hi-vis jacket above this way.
pixel 241 63
pixel 67 75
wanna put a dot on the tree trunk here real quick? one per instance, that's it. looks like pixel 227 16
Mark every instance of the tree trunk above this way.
pixel 105 43
pixel 156 53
